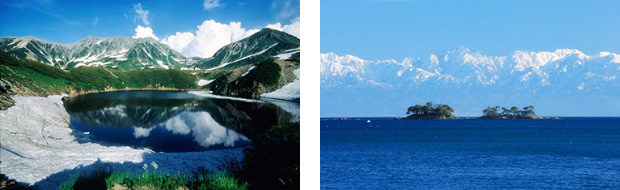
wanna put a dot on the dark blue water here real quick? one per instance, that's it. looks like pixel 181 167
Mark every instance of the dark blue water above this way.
pixel 572 153
pixel 166 121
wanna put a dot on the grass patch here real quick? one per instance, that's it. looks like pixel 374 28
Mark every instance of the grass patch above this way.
pixel 150 178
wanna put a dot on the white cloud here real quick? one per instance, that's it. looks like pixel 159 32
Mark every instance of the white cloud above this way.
pixel 209 37
pixel 212 35
pixel 141 15
pixel 292 28
pixel 145 32
pixel 96 21
pixel 179 41
pixel 210 4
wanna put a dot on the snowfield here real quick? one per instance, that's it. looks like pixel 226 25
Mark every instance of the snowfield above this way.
pixel 289 91
pixel 203 82
pixel 38 148
pixel 287 54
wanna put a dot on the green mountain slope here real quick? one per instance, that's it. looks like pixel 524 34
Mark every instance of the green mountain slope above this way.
pixel 254 49
pixel 27 77
pixel 116 52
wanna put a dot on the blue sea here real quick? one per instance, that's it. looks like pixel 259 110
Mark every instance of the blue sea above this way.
pixel 379 153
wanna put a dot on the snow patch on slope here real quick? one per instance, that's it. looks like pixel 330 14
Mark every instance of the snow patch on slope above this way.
pixel 202 82
pixel 36 142
pixel 289 91
pixel 241 59
pixel 248 71
pixel 287 54
pixel 161 64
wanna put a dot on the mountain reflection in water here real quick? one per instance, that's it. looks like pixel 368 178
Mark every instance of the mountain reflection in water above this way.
pixel 172 121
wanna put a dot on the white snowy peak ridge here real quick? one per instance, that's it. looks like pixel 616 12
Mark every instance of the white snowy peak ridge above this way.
pixel 466 66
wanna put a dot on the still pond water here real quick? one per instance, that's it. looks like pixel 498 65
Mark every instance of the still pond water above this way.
pixel 167 121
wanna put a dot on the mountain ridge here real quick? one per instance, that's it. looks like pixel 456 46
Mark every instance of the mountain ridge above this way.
pixel 143 53
pixel 467 76
pixel 114 52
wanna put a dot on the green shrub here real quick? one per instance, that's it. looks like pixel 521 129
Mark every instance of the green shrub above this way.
pixel 267 72
pixel 96 179
pixel 273 160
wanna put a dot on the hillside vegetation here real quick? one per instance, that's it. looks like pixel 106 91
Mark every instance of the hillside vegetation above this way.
pixel 27 77
pixel 252 81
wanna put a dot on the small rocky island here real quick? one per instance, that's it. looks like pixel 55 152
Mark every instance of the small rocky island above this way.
pixel 429 111
pixel 513 113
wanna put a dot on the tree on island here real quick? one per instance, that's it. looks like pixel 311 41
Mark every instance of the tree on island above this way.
pixel 512 113
pixel 430 111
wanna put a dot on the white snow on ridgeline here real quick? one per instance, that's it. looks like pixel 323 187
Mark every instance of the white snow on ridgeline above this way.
pixel 248 72
pixel 472 67
pixel 22 42
pixel 341 65
pixel 248 56
pixel 209 95
pixel 287 54
pixel 289 91
pixel 37 146
pixel 434 59
pixel 203 82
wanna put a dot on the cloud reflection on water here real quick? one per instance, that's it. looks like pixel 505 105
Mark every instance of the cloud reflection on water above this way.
pixel 205 130
pixel 141 132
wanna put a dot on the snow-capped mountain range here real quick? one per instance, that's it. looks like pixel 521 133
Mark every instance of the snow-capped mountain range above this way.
pixel 471 80
pixel 116 52
pixel 143 53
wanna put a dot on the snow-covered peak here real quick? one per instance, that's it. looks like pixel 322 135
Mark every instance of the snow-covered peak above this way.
pixel 340 65
pixel 96 51
pixel 535 60
pixel 566 52
pixel 604 53
pixel 469 79
pixel 465 66
pixel 615 58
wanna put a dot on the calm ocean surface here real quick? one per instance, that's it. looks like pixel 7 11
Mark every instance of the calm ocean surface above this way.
pixel 572 153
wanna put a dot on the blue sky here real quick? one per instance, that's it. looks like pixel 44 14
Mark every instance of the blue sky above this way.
pixel 395 29
pixel 66 21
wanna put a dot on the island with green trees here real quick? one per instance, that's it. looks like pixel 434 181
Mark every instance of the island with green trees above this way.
pixel 513 113
pixel 443 111
pixel 430 111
